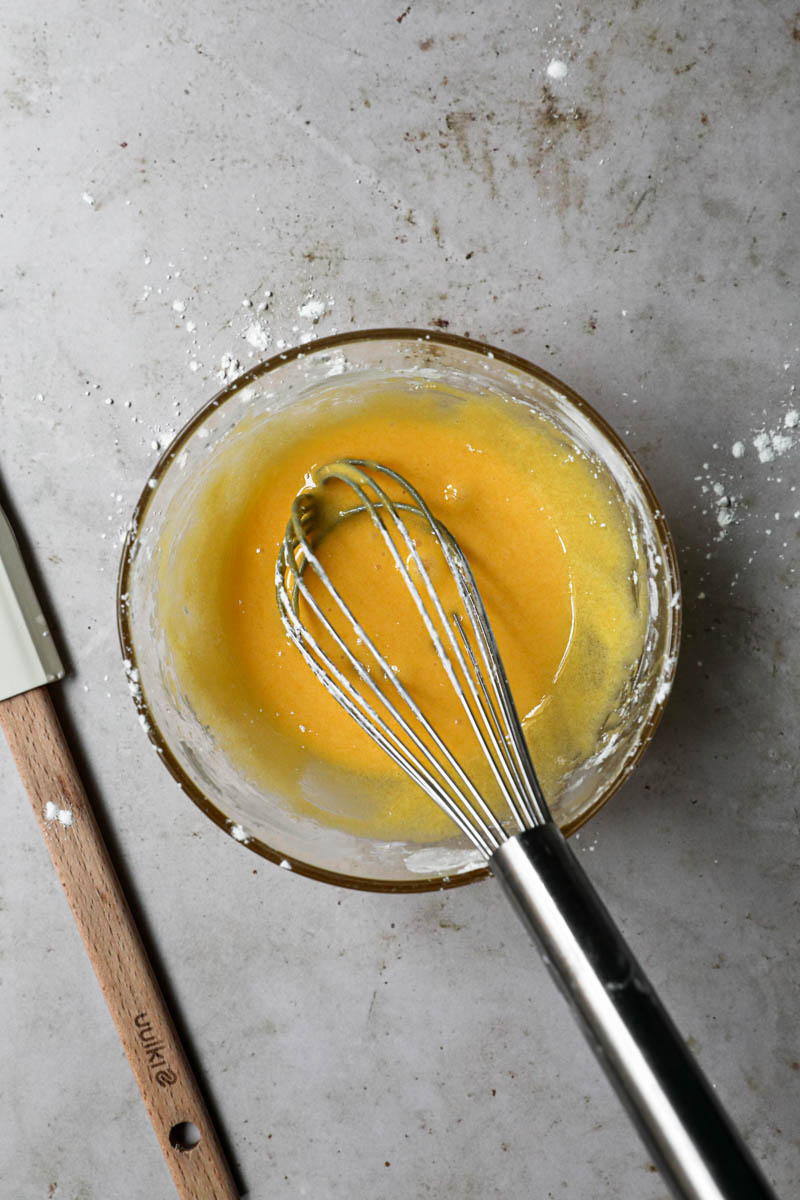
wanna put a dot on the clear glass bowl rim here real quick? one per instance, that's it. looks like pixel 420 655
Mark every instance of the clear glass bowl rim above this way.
pixel 333 342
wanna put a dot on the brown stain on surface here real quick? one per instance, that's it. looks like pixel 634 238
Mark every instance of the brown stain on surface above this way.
pixel 458 124
pixel 476 148
pixel 563 137
pixel 488 166
pixel 557 123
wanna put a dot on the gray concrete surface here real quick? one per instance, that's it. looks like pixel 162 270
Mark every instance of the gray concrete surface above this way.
pixel 633 227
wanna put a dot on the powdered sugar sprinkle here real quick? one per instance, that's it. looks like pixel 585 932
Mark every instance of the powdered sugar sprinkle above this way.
pixel 52 813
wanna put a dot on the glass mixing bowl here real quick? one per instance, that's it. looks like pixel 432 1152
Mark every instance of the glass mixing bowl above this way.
pixel 189 748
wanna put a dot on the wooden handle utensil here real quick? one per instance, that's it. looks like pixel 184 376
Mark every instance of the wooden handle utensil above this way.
pixel 28 660
pixel 120 962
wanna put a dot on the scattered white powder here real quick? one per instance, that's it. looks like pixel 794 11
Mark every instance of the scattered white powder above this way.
pixel 287 866
pixel 134 684
pixel 725 512
pixel 88 198
pixel 238 832
pixel 337 366
pixel 313 308
pixel 772 443
pixel 163 438
pixel 762 445
pixel 228 368
pixel 723 501
pixel 53 813
pixel 556 69
pixel 179 306
pixel 258 337
pixel 721 486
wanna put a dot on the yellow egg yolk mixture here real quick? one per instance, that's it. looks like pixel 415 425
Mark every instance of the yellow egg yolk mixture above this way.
pixel 544 531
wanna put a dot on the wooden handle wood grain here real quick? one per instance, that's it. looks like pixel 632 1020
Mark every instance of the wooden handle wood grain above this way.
pixel 120 962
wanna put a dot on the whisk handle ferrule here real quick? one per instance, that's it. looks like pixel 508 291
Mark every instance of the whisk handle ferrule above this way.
pixel 692 1141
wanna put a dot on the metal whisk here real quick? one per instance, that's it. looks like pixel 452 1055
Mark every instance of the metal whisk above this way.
pixel 689 1136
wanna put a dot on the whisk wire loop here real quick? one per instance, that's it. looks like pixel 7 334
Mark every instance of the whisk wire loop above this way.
pixel 529 793
pixel 460 677
pixel 458 805
pixel 517 780
pixel 527 790
pixel 484 693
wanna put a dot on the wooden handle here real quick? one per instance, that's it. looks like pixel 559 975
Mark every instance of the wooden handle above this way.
pixel 115 948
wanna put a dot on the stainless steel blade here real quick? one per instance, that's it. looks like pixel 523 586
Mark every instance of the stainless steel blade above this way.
pixel 28 656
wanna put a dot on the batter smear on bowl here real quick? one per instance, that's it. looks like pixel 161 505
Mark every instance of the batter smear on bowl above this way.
pixel 546 533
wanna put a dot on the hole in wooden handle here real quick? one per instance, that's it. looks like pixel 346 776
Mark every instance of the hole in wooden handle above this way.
pixel 184 1136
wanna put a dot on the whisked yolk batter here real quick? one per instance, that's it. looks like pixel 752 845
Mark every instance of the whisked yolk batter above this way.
pixel 546 537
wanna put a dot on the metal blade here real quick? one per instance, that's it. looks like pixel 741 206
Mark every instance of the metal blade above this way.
pixel 28 656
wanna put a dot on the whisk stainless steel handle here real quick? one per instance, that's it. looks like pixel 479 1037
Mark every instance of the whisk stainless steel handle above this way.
pixel 693 1143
